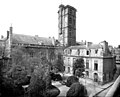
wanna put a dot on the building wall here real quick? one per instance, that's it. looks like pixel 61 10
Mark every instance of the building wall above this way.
pixel 108 68
pixel 98 57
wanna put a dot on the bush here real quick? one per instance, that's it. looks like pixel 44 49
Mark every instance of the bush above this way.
pixel 52 91
pixel 37 87
pixel 9 89
pixel 71 80
pixel 55 77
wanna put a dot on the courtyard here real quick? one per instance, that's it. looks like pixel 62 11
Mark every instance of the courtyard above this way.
pixel 93 89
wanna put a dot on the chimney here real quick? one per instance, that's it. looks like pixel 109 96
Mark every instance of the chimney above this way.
pixel 88 44
pixel 11 30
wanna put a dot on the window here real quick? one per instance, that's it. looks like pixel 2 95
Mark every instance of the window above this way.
pixel 70 29
pixel 95 66
pixel 65 51
pixel 87 52
pixel 78 51
pixel 74 22
pixel 69 51
pixel 68 61
pixel 70 11
pixel 87 73
pixel 96 51
pixel 87 64
pixel 70 20
pixel 68 69
pixel 74 60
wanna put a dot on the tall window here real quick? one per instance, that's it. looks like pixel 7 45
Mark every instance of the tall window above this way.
pixel 70 11
pixel 95 65
pixel 74 22
pixel 87 52
pixel 68 69
pixel 68 61
pixel 87 64
pixel 70 20
pixel 74 60
pixel 78 51
pixel 87 73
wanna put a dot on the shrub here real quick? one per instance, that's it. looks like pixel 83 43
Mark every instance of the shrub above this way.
pixel 71 80
pixel 37 86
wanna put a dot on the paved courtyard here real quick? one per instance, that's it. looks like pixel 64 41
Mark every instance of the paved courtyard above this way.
pixel 92 88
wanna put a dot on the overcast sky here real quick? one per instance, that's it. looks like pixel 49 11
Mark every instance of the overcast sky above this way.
pixel 97 20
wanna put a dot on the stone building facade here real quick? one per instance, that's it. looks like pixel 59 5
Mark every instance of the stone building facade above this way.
pixel 117 54
pixel 32 44
pixel 67 25
pixel 98 60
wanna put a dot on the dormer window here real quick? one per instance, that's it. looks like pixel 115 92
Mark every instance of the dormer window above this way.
pixel 70 51
pixel 78 51
pixel 65 52
pixel 96 51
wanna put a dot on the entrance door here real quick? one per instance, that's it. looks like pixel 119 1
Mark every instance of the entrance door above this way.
pixel 95 77
pixel 68 69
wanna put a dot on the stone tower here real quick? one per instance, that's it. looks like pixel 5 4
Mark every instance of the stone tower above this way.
pixel 67 25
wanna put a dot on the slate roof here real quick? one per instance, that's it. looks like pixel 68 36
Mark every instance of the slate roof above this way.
pixel 77 47
pixel 93 46
pixel 27 39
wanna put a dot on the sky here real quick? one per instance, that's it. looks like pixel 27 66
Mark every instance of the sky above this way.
pixel 96 20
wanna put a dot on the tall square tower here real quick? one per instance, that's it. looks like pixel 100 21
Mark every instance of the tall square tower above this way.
pixel 67 25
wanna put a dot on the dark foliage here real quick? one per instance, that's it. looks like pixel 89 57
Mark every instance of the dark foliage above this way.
pixel 9 89
pixel 77 90
pixel 37 87
pixel 71 80
pixel 58 64
pixel 55 77
pixel 52 91
pixel 78 67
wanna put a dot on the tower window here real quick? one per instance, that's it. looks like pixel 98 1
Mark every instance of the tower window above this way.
pixel 70 20
pixel 70 29
pixel 74 22
pixel 70 11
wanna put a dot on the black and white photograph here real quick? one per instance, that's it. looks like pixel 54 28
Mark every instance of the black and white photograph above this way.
pixel 59 48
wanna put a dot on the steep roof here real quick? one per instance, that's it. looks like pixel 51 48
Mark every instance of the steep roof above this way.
pixel 95 46
pixel 77 47
pixel 92 46
pixel 27 39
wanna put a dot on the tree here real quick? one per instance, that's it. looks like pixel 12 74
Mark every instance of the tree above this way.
pixel 78 67
pixel 58 64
